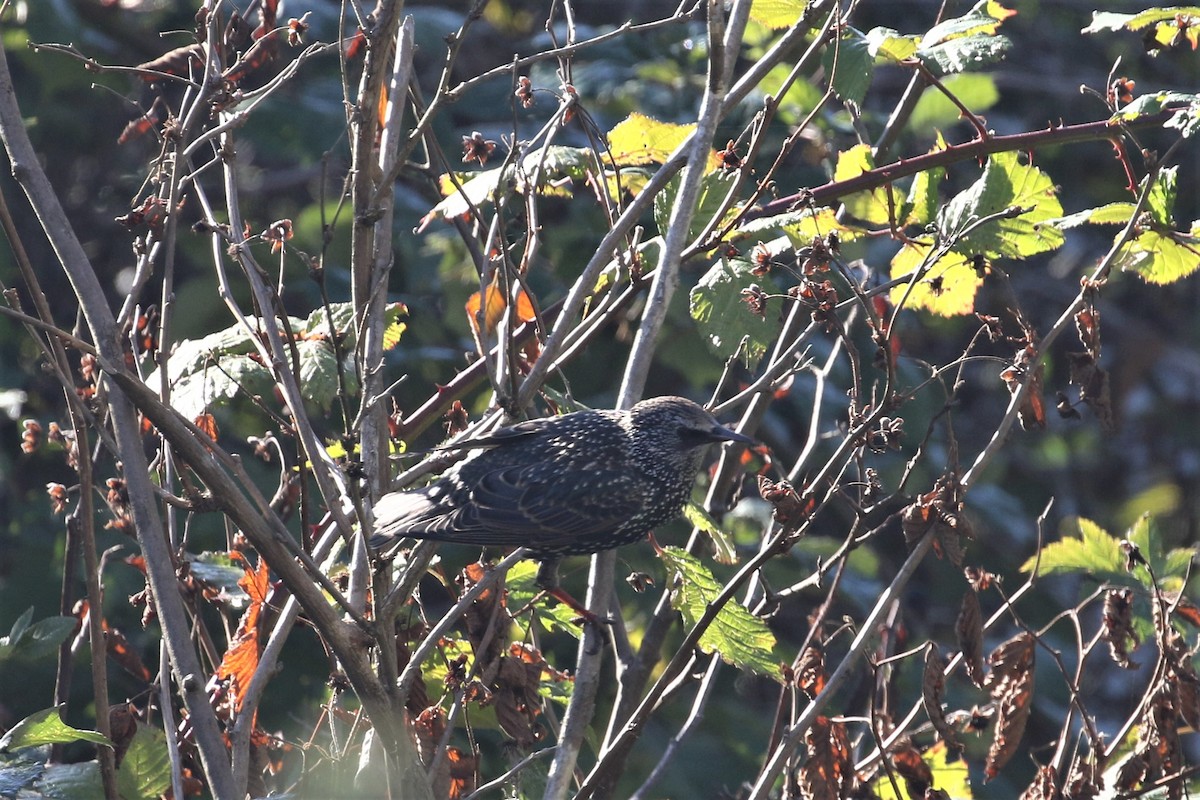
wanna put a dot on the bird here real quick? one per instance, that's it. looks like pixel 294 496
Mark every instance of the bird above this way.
pixel 574 484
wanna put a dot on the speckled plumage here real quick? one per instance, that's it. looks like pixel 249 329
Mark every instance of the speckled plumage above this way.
pixel 570 485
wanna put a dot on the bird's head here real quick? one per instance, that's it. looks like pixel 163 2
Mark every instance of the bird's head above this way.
pixel 676 424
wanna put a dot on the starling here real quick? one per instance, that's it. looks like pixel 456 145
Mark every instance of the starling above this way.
pixel 570 485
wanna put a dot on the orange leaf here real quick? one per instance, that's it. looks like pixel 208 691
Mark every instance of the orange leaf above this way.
pixel 241 659
pixel 496 305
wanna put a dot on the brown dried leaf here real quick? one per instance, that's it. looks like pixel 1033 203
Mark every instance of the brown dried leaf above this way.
pixel 907 761
pixel 828 772
pixel 1087 323
pixel 790 510
pixel 181 62
pixel 1083 782
pixel 933 684
pixel 1026 367
pixel 1094 388
pixel 462 772
pixel 969 631
pixel 1043 787
pixel 1011 683
pixel 1118 625
pixel 482 615
pixel 810 673
pixel 940 511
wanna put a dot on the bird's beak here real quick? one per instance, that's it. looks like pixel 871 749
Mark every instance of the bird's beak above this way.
pixel 720 433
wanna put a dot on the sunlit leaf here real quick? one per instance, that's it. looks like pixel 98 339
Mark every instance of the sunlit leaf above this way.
pixel 1161 20
pixel 985 17
pixel 522 588
pixel 1095 551
pixel 639 140
pixel 890 44
pixel 46 727
pixel 741 638
pixel 1108 214
pixel 777 14
pixel 553 169
pixel 952 777
pixel 722 541
pixel 241 659
pixel 1005 184
pixel 870 206
pixel 1161 256
pixel 948 288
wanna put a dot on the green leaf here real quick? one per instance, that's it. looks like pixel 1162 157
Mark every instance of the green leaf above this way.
pixel 37 640
pixel 922 201
pixel 1096 551
pixel 342 316
pixel 46 727
pixel 851 65
pixel 1152 103
pixel 479 188
pixel 318 375
pixel 1161 256
pixel 1161 200
pixel 740 638
pixel 961 55
pixel 890 44
pixel 521 585
pixel 1186 120
pixel 799 226
pixel 698 518
pixel 714 188
pixel 1005 183
pixel 217 382
pixel 1169 567
pixel 958 44
pixel 935 110
pixel 1162 20
pixel 1108 214
pixel 984 18
pixel 723 317
pixel 777 14
pixel 145 771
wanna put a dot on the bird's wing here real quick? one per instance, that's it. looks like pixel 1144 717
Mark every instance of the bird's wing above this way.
pixel 537 507
pixel 503 436
pixel 420 513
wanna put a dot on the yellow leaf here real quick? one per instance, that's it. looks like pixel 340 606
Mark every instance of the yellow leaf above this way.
pixel 639 139
pixel 948 288
pixel 871 207
pixel 777 14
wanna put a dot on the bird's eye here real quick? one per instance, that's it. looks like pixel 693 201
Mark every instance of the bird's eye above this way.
pixel 694 436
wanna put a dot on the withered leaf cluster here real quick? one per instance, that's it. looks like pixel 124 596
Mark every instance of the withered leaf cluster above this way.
pixel 1011 684
pixel 939 510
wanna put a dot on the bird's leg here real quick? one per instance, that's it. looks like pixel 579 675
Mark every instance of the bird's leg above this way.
pixel 547 580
